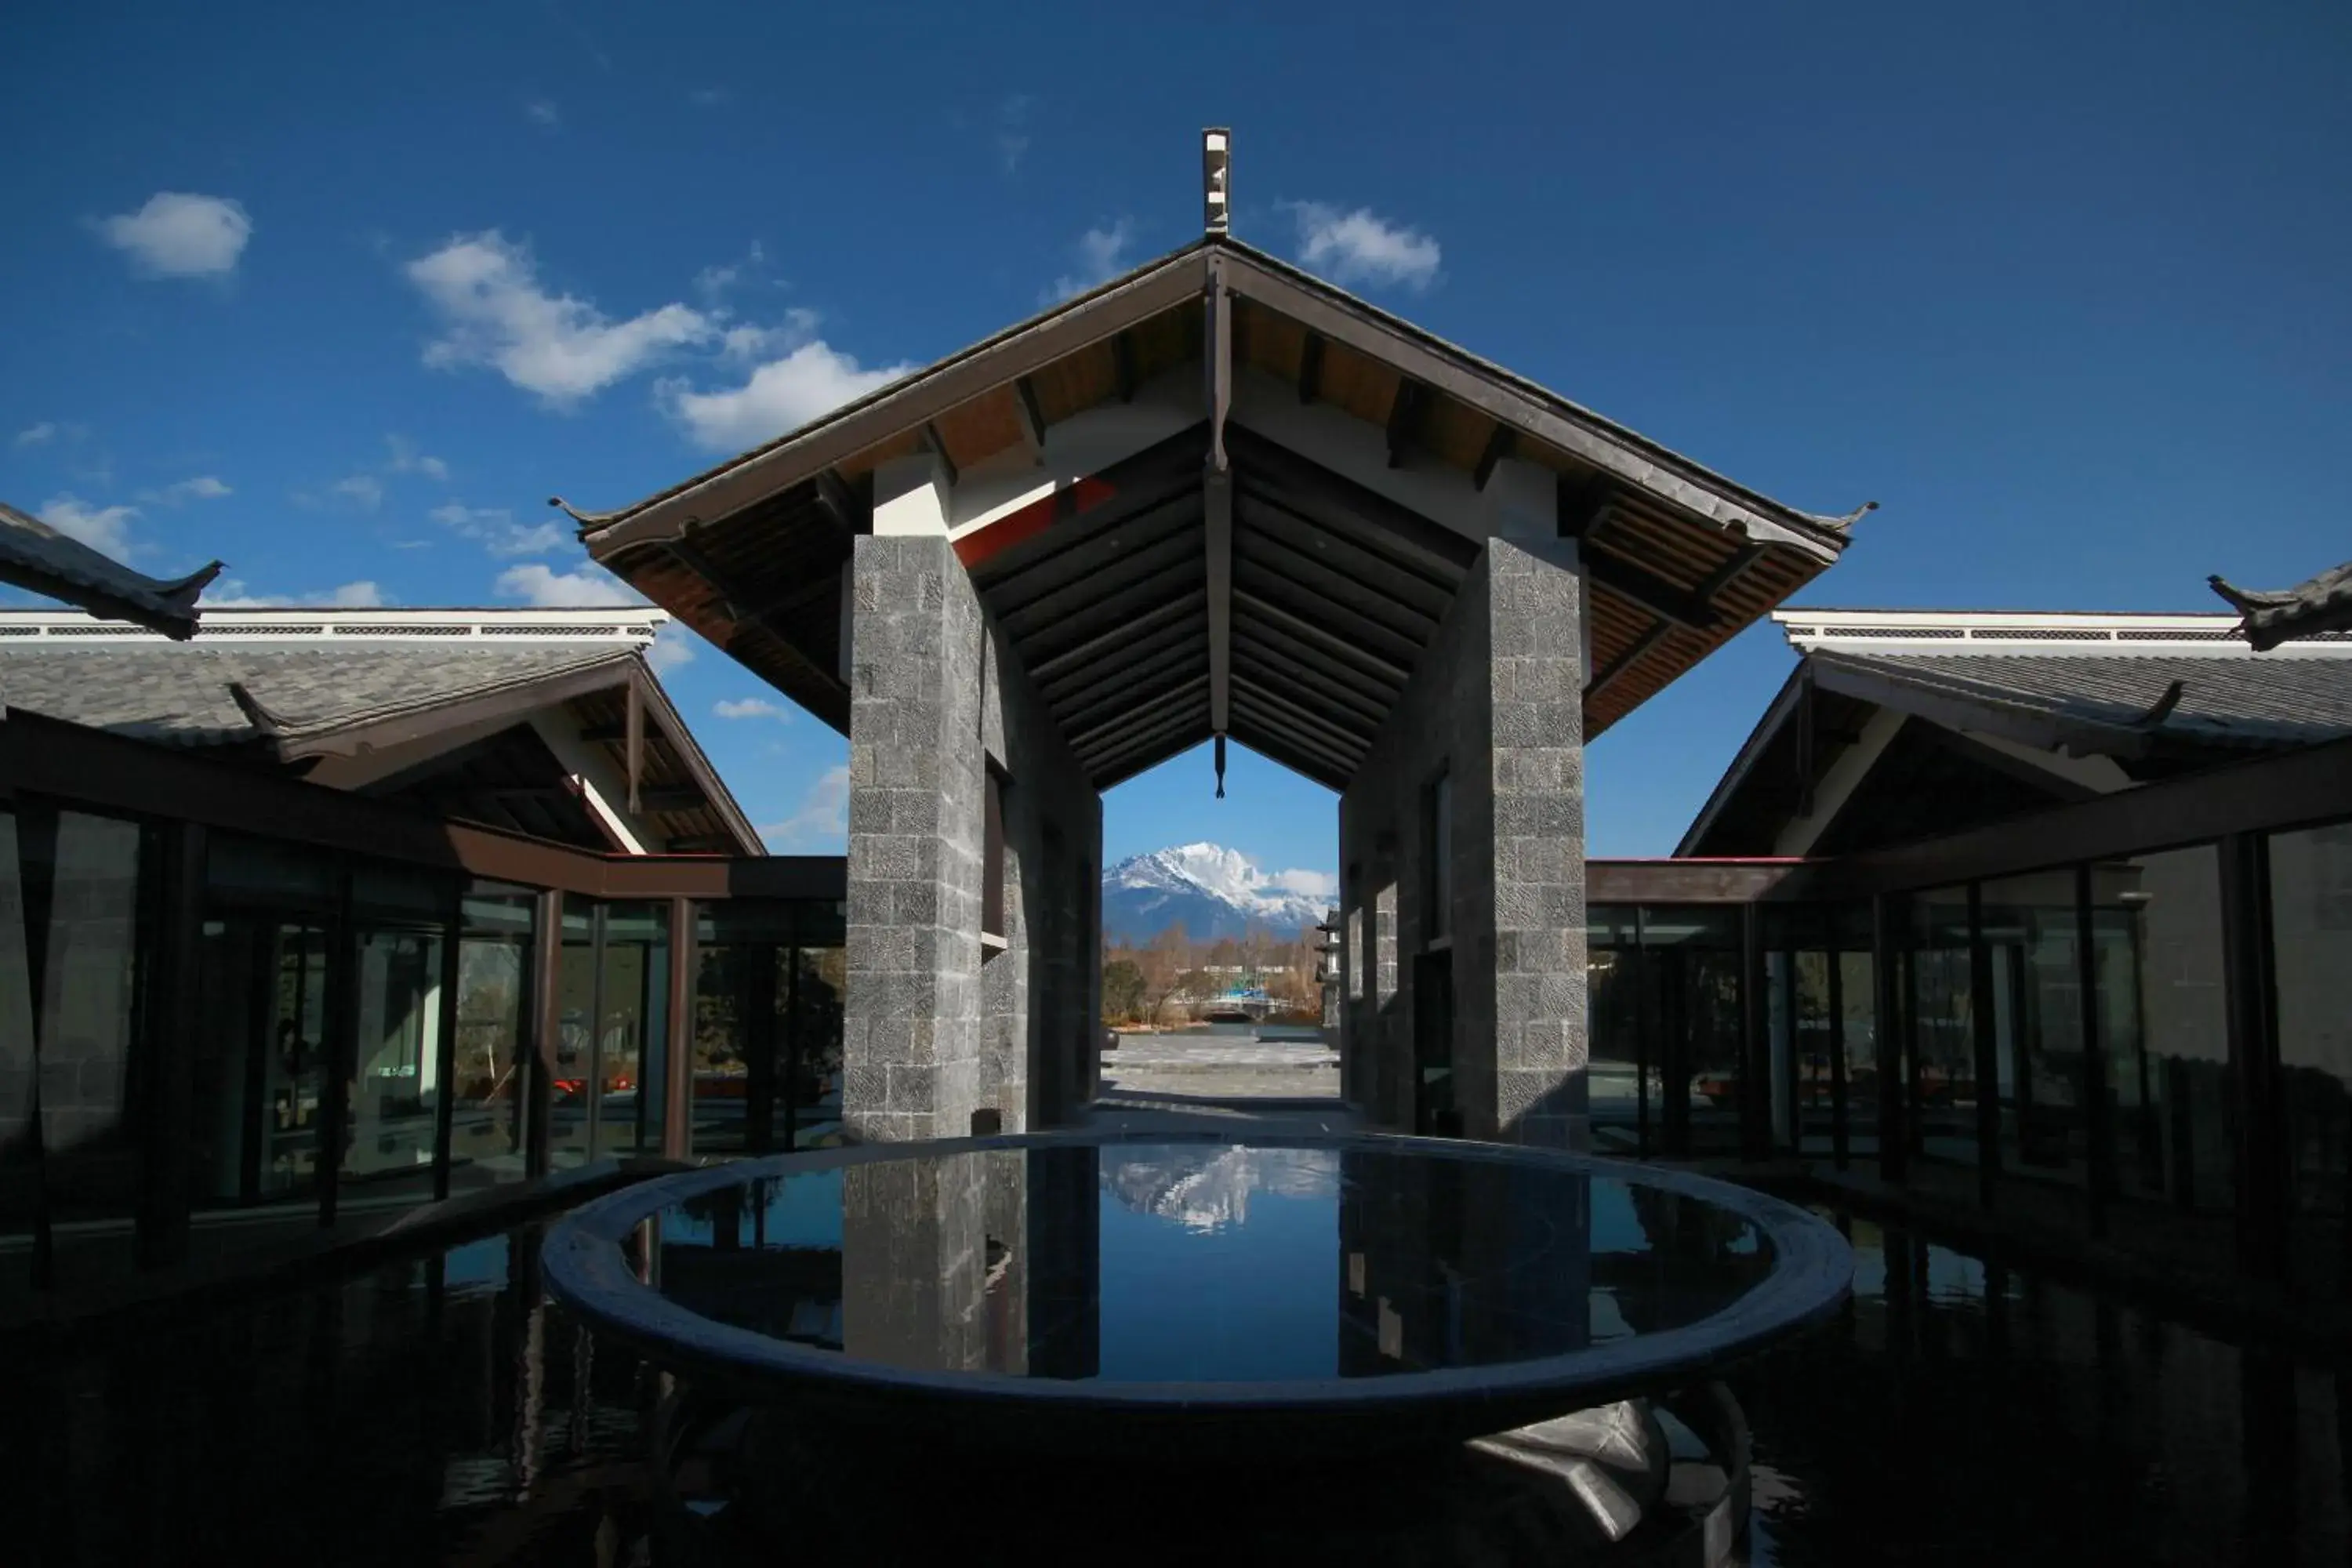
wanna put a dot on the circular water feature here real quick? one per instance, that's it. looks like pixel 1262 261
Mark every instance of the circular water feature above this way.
pixel 1268 1293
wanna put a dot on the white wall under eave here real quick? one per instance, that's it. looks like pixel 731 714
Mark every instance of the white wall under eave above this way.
pixel 562 733
pixel 1080 446
pixel 1798 836
pixel 2104 775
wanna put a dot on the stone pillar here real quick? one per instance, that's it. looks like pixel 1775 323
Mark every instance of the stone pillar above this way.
pixel 940 1025
pixel 917 778
pixel 1496 705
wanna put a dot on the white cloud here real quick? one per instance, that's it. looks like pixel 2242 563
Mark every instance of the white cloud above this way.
pixel 493 312
pixel 180 235
pixel 105 529
pixel 590 587
pixel 1313 884
pixel 204 487
pixel 1358 247
pixel 781 394
pixel 39 435
pixel 1102 256
pixel 672 646
pixel 1013 129
pixel 751 708
pixel 495 529
pixel 407 459
pixel 822 821
pixel 543 113
pixel 229 593
pixel 363 490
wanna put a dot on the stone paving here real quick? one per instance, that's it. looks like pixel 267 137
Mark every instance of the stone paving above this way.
pixel 1220 1067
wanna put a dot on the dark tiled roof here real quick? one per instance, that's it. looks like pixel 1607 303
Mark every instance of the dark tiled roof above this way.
pixel 180 694
pixel 36 556
pixel 2235 699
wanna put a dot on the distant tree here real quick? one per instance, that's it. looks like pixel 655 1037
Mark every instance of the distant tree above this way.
pixel 1122 991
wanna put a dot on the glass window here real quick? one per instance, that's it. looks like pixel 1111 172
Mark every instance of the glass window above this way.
pixel 2031 937
pixel 1690 958
pixel 400 929
pixel 2311 954
pixel 19 1164
pixel 82 873
pixel 2164 1032
pixel 1617 1091
pixel 768 1025
pixel 991 860
pixel 259 1042
pixel 1941 1069
pixel 1856 979
pixel 488 1081
pixel 570 1086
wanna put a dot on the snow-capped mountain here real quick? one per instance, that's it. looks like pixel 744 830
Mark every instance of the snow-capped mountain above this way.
pixel 1215 892
pixel 1208 1189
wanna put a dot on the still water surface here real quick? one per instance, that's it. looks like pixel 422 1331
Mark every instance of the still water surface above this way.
pixel 442 1412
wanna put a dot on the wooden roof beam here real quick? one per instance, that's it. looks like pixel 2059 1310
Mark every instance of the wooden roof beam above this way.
pixel 1406 410
pixel 1217 500
pixel 1500 443
pixel 1122 366
pixel 1626 660
pixel 850 514
pixel 937 449
pixel 1310 368
pixel 1031 416
pixel 1648 590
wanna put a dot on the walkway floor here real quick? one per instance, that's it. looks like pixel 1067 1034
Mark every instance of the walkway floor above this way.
pixel 1221 1067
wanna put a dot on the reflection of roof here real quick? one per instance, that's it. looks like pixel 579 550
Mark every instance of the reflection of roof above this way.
pixel 36 556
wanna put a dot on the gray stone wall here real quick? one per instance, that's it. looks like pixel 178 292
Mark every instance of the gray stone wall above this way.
pixel 938 1027
pixel 1496 705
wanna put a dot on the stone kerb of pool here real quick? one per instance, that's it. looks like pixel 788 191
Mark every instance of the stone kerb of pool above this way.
pixel 1270 1294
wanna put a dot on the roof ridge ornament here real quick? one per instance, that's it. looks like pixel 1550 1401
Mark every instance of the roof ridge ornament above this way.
pixel 1845 524
pixel 1216 179
pixel 585 519
pixel 2308 609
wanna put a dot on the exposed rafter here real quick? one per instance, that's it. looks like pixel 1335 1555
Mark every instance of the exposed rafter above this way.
pixel 1032 416
pixel 1310 368
pixel 850 513
pixel 938 447
pixel 1647 590
pixel 1634 653
pixel 1582 503
pixel 1501 441
pixel 1122 363
pixel 1405 412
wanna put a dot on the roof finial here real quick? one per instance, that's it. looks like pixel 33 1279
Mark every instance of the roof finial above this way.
pixel 1845 523
pixel 584 518
pixel 1217 178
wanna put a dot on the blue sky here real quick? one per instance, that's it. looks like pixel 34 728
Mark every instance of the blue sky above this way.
pixel 340 296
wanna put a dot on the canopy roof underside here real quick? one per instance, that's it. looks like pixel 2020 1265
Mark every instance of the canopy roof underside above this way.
pixel 1361 453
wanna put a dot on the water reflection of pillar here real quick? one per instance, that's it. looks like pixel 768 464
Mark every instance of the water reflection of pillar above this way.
pixel 529 1367
pixel 2267 1426
pixel 1454 1263
pixel 1064 1262
pixel 914 1265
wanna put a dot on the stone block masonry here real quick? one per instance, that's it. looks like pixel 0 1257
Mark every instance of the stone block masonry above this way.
pixel 939 1026
pixel 1497 707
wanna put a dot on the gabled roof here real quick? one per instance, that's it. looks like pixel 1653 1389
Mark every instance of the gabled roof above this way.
pixel 289 686
pixel 750 552
pixel 2151 691
pixel 35 557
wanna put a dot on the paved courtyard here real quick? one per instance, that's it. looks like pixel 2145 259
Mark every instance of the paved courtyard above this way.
pixel 1219 1066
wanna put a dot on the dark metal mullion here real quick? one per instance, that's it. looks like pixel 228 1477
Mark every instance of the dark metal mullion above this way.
pixel 2098 1124
pixel 2259 1147
pixel 341 1055
pixel 595 1095
pixel 1643 1032
pixel 793 1043
pixel 445 1056
pixel 1986 1050
pixel 1886 1028
pixel 1756 1069
pixel 1838 1148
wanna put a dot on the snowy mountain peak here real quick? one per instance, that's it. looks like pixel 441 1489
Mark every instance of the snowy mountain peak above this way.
pixel 1215 892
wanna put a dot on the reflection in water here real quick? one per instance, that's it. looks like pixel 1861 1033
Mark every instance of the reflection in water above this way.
pixel 441 1412
pixel 1207 1188
pixel 1195 1262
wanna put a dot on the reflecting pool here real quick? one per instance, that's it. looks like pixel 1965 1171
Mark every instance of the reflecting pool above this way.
pixel 445 1412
